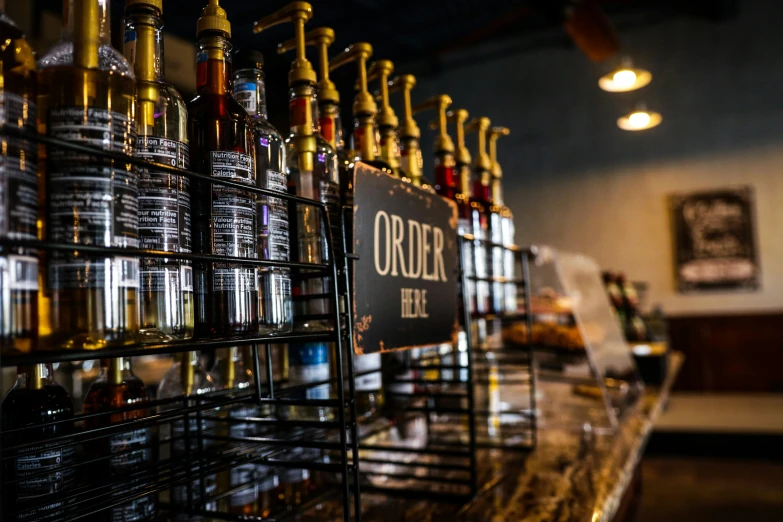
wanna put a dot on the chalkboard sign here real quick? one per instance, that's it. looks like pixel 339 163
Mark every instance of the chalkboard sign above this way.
pixel 715 240
pixel 405 279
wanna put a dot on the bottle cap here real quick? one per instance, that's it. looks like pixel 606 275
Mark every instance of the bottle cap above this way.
pixel 213 18
pixel 247 59
pixel 155 4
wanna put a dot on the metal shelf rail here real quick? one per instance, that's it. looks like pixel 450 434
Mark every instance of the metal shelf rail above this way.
pixel 180 467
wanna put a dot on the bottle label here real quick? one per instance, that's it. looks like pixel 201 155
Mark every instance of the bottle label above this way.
pixel 365 363
pixel 164 210
pixel 309 363
pixel 129 46
pixel 92 201
pixel 233 220
pixel 246 94
pixel 131 450
pixel 19 165
pixel 47 457
pixel 276 219
pixel 22 272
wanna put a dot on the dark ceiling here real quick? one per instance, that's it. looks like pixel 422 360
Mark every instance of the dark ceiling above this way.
pixel 418 34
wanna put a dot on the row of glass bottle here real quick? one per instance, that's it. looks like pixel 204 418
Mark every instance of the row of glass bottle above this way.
pixel 128 451
pixel 92 301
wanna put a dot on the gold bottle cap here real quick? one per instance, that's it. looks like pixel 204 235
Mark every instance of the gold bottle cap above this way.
pixel 297 13
pixel 406 83
pixel 213 18
pixel 440 103
pixel 155 4
pixel 321 38
pixel 481 126
pixel 492 135
pixel 360 52
pixel 381 70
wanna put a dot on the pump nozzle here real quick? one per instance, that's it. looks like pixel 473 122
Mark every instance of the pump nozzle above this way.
pixel 492 136
pixel 359 52
pixel 297 13
pixel 406 83
pixel 458 117
pixel 440 103
pixel 381 70
pixel 320 38
pixel 481 126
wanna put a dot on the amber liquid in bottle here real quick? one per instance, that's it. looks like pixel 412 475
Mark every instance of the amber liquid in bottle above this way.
pixel 224 219
pixel 164 199
pixel 117 387
pixel 18 186
pixel 37 399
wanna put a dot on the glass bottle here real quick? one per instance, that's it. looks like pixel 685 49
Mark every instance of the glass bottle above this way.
pixel 308 364
pixel 224 219
pixel 321 183
pixel 93 299
pixel 117 387
pixel 18 191
pixel 36 399
pixel 164 199
pixel 506 223
pixel 275 306
pixel 232 371
pixel 186 377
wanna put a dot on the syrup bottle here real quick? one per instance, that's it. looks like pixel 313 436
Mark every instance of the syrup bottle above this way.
pixel 445 183
pixel 18 186
pixel 506 221
pixel 411 162
pixel 224 219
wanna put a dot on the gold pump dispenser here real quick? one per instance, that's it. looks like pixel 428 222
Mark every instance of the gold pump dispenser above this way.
pixel 482 164
pixel 444 146
pixel 300 76
pixel 86 37
pixel 364 107
pixel 497 173
pixel 328 96
pixel 147 89
pixel 386 119
pixel 463 159
pixel 409 133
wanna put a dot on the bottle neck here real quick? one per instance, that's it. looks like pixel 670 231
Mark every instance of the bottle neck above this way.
pixel 481 188
pixel 330 124
pixel 300 110
pixel 390 147
pixel 116 370
pixel 104 21
pixel 228 373
pixel 213 65
pixel 364 137
pixel 464 180
pixel 35 377
pixel 445 184
pixel 497 191
pixel 188 367
pixel 250 92
pixel 143 45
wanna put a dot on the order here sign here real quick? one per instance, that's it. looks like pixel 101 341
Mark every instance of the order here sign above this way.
pixel 405 280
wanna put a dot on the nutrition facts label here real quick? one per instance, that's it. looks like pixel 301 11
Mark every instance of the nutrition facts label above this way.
pixel 233 219
pixel 132 449
pixel 273 231
pixel 18 163
pixel 164 209
pixel 92 201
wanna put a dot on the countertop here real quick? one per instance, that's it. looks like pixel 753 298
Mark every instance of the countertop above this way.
pixel 569 477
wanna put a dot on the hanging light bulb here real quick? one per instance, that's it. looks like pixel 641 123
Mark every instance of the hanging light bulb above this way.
pixel 639 119
pixel 625 79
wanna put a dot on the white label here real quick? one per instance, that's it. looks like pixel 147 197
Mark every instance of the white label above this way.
pixel 365 363
pixel 245 94
pixel 311 373
pixel 128 272
pixel 23 272
pixel 187 278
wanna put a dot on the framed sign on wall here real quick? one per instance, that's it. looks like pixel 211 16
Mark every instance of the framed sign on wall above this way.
pixel 715 245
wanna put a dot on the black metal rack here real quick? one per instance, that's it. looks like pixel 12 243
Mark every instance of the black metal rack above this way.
pixel 434 395
pixel 184 459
